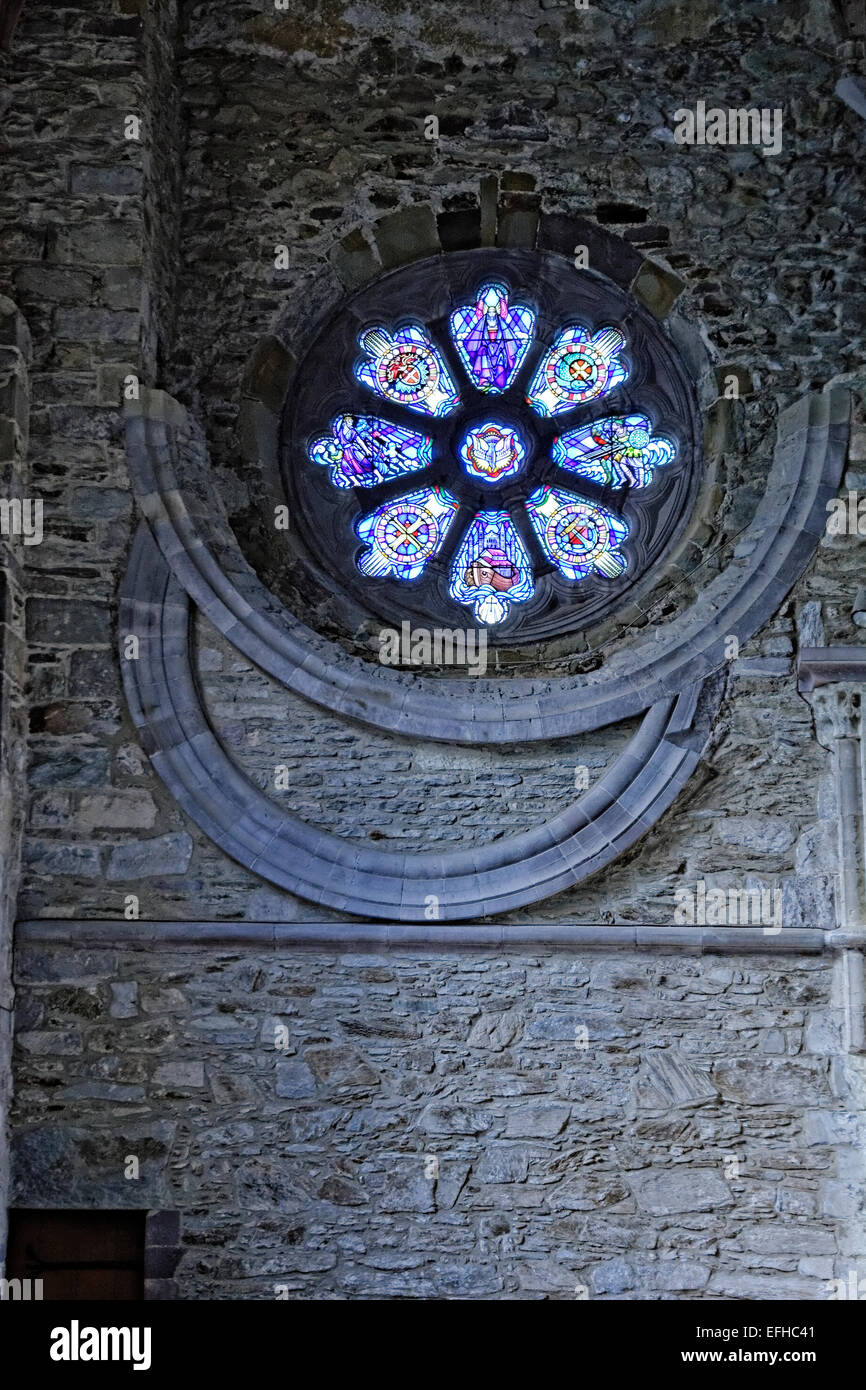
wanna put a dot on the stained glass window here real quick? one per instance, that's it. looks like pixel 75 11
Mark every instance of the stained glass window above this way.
pixel 491 570
pixel 578 536
pixel 494 561
pixel 578 368
pixel 363 451
pixel 492 338
pixel 403 534
pixel 407 369
pixel 492 452
pixel 620 450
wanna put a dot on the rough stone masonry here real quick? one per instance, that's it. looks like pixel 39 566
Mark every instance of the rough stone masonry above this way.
pixel 436 1124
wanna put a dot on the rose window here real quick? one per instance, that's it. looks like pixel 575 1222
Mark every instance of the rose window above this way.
pixel 498 459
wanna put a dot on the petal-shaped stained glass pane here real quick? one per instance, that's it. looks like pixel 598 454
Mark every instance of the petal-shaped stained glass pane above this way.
pixel 580 367
pixel 619 450
pixel 362 451
pixel 492 337
pixel 407 369
pixel 578 536
pixel 404 533
pixel 491 569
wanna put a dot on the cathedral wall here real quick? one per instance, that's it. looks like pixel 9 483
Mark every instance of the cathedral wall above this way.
pixel 430 1125
pixel 406 1125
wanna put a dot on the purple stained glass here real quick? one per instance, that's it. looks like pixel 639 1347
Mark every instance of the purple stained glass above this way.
pixel 492 337
pixel 620 450
pixel 363 451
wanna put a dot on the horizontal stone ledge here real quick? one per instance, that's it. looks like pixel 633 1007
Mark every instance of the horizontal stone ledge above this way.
pixel 436 936
pixel 827 665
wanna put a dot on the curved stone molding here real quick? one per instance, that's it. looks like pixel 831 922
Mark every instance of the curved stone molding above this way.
pixel 352 877
pixel 169 469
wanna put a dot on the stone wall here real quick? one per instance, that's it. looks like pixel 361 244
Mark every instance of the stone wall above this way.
pixel 156 257
pixel 266 161
pixel 18 532
pixel 309 1166
pixel 451 1126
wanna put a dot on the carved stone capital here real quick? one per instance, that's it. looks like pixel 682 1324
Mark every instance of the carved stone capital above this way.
pixel 838 712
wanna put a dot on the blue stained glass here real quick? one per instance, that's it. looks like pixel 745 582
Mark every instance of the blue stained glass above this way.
pixel 407 369
pixel 619 450
pixel 579 367
pixel 491 570
pixel 403 534
pixel 492 337
pixel 578 536
pixel 492 452
pixel 362 451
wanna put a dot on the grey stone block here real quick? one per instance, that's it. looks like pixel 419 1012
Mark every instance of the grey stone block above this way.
pixel 657 287
pixel 668 1079
pixel 100 243
pixel 164 854
pixel 121 180
pixel 124 999
pixel 668 1190
pixel 442 1118
pixel 537 1121
pixel 613 1276
pixel 503 1163
pixel 100 325
pixel 407 235
pixel 162 1228
pixel 67 622
pixel 295 1081
pixel 756 1082
pixel 183 1076
pixel 52 858
pixel 131 809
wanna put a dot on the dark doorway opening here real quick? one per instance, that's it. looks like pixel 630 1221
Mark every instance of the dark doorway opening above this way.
pixel 78 1255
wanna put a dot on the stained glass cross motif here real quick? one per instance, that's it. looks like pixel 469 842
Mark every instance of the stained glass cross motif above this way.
pixel 619 450
pixel 578 536
pixel 492 337
pixel 363 451
pixel 580 367
pixel 491 569
pixel 403 534
pixel 407 369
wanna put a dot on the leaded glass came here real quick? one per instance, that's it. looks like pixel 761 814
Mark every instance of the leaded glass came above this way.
pixel 545 502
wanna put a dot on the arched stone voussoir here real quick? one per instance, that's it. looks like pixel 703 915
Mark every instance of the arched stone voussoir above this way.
pixel 354 877
pixel 170 471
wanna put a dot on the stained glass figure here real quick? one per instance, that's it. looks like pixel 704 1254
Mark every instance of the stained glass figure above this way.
pixel 403 534
pixel 491 570
pixel 407 369
pixel 578 368
pixel 492 337
pixel 578 536
pixel 492 452
pixel 619 450
pixel 362 451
